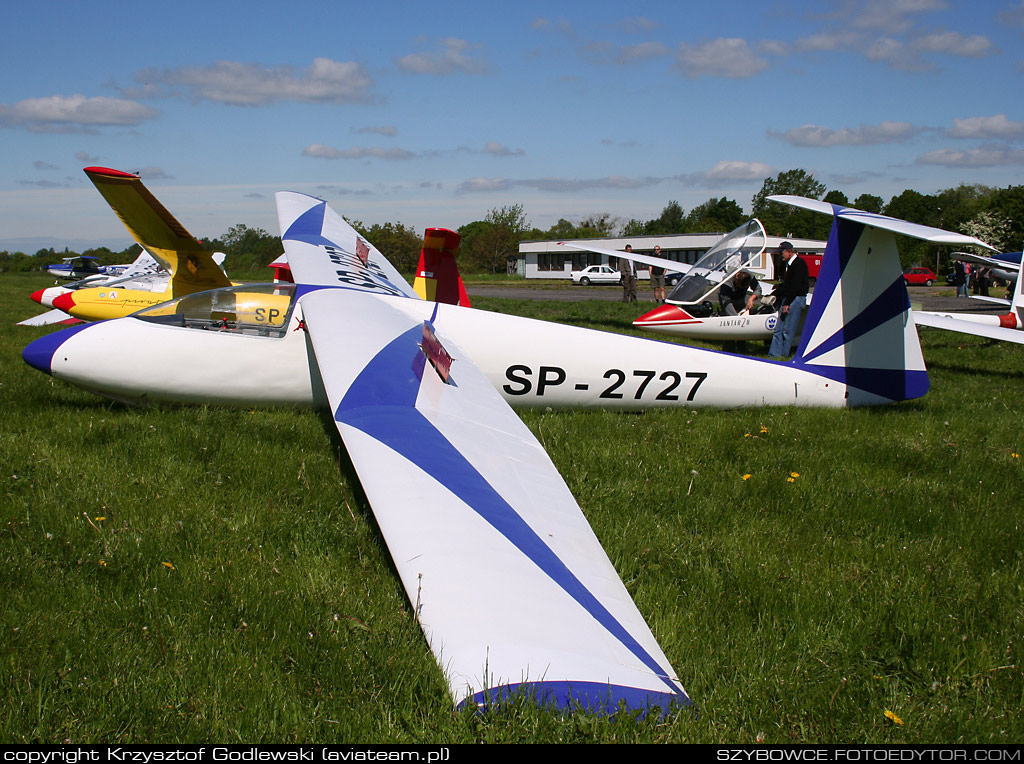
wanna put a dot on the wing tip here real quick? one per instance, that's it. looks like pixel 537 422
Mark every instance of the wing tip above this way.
pixel 594 697
pixel 107 171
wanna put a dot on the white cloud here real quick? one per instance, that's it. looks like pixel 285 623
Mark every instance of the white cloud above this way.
pixel 238 84
pixel 483 185
pixel 818 135
pixel 996 126
pixel 989 155
pixel 894 16
pixel 637 25
pixel 452 58
pixel 734 170
pixel 555 185
pixel 642 52
pixel 319 151
pixel 955 44
pixel 827 42
pixel 74 112
pixel 500 150
pixel 724 57
pixel 386 130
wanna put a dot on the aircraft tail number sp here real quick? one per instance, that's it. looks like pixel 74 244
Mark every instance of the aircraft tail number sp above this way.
pixel 646 385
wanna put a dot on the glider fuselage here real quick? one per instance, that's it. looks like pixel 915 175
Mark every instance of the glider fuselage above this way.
pixel 531 363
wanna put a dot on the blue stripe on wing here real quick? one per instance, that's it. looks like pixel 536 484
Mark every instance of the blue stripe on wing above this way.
pixel 309 227
pixel 381 403
pixel 589 696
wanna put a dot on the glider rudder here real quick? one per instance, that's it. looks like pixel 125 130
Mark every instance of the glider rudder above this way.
pixel 437 275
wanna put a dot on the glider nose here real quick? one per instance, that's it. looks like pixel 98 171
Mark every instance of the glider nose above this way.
pixel 662 315
pixel 39 353
pixel 65 302
pixel 48 295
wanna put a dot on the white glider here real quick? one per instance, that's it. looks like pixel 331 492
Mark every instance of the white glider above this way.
pixel 510 585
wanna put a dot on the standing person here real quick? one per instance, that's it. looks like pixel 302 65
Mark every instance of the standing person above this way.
pixel 984 279
pixel 628 272
pixel 791 294
pixel 658 278
pixel 960 279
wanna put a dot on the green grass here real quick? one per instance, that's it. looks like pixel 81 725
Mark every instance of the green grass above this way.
pixel 236 587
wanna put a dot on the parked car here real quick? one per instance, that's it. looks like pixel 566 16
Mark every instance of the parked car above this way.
pixel 918 276
pixel 596 274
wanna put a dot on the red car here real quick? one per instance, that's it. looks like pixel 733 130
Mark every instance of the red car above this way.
pixel 918 276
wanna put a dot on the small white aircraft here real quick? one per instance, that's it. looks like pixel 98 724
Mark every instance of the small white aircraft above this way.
pixel 143 270
pixel 1007 327
pixel 511 587
pixel 1005 267
pixel 81 267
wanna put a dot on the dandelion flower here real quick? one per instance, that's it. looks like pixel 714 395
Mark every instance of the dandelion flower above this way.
pixel 1015 456
pixel 167 565
pixel 790 480
pixel 794 474
pixel 747 476
pixel 103 563
pixel 746 435
pixel 893 718
pixel 763 429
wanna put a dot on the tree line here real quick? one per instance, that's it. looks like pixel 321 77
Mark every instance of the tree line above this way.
pixel 994 215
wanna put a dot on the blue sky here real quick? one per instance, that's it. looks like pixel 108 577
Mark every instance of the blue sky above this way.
pixel 433 113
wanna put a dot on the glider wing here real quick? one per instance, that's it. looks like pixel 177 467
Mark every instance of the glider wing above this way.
pixel 953 324
pixel 874 220
pixel 510 585
pixel 669 265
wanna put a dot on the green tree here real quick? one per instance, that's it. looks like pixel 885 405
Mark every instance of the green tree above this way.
pixel 400 244
pixel 247 248
pixel 1008 203
pixel 490 244
pixel 869 203
pixel 715 215
pixel 836 197
pixel 782 219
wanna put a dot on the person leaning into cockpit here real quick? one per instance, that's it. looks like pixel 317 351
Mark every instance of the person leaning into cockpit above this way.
pixel 739 293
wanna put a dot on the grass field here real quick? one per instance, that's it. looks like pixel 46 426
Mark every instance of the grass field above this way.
pixel 177 574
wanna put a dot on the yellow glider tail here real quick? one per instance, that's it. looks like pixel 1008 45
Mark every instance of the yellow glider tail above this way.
pixel 192 268
pixel 437 275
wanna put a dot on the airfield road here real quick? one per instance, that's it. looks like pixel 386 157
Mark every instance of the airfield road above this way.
pixel 936 298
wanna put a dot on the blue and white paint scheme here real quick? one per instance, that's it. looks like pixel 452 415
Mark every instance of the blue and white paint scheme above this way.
pixel 510 585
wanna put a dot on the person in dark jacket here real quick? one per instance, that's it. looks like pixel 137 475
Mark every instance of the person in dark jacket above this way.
pixel 791 297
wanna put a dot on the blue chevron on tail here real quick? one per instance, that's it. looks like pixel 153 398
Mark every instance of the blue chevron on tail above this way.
pixel 859 330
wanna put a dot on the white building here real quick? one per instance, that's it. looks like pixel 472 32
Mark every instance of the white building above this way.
pixel 546 260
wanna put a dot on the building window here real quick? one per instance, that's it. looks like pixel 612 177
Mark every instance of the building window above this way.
pixel 550 262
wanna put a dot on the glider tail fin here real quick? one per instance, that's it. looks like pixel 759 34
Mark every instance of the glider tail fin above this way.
pixel 859 330
pixel 192 268
pixel 437 275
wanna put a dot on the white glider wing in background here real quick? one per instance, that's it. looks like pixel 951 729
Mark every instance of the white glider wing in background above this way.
pixel 883 222
pixel 954 323
pixel 509 583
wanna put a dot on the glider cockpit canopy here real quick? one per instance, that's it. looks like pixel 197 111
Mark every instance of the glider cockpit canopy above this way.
pixel 262 310
pixel 734 251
